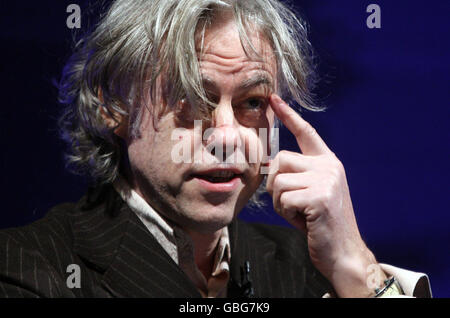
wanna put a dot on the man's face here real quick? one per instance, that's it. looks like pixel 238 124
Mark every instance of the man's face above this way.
pixel 205 194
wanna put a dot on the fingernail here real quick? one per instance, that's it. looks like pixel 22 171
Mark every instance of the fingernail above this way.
pixel 277 99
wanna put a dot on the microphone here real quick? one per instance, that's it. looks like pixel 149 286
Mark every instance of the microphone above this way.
pixel 246 281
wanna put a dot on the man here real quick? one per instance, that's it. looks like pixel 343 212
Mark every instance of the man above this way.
pixel 162 218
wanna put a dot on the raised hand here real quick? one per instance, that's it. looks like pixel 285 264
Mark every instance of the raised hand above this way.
pixel 310 191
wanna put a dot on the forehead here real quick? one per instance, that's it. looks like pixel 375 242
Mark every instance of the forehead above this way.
pixel 221 49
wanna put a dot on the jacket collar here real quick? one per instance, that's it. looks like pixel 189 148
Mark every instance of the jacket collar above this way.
pixel 112 240
pixel 171 237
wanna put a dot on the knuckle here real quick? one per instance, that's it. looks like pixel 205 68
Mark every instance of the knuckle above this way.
pixel 328 196
pixel 282 158
pixel 284 201
pixel 292 116
pixel 278 181
pixel 283 154
pixel 322 201
pixel 336 168
pixel 310 130
pixel 317 204
pixel 334 177
pixel 272 170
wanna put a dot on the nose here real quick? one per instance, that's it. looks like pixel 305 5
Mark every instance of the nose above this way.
pixel 223 136
pixel 223 115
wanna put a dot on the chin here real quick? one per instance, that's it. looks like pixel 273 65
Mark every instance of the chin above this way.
pixel 210 218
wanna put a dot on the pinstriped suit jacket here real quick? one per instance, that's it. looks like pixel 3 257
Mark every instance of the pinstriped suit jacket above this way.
pixel 118 257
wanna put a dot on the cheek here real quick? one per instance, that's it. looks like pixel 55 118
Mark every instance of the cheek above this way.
pixel 150 153
pixel 141 155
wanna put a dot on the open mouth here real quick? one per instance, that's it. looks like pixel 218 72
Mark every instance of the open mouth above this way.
pixel 219 176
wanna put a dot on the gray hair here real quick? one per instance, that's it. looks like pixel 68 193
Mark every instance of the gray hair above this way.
pixel 136 41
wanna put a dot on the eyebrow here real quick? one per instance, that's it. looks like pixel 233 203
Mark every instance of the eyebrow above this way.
pixel 252 82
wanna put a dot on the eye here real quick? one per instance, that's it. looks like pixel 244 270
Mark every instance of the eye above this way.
pixel 251 111
pixel 254 104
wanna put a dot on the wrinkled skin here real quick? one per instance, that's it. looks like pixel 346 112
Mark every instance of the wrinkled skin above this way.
pixel 309 189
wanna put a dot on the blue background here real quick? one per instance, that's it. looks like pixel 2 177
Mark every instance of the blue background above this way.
pixel 387 93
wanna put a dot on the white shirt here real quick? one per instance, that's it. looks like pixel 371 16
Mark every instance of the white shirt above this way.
pixel 179 246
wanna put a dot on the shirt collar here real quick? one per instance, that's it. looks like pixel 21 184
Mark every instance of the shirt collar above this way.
pixel 164 232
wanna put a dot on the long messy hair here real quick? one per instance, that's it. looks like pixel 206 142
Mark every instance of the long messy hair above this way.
pixel 117 65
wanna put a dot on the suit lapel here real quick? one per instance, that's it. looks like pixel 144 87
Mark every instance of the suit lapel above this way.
pixel 239 245
pixel 142 268
pixel 113 241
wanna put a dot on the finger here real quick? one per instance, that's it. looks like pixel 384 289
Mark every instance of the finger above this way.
pixel 286 162
pixel 308 139
pixel 285 182
pixel 293 203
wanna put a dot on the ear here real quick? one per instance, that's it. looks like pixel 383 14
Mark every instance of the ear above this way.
pixel 113 119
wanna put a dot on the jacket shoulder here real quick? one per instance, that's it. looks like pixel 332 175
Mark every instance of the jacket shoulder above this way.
pixel 33 257
pixel 46 234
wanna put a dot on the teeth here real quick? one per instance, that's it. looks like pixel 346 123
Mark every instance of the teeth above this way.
pixel 221 174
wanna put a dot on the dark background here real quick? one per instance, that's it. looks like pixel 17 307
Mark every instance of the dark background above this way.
pixel 387 93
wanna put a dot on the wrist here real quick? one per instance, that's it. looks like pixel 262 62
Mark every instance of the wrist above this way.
pixel 357 276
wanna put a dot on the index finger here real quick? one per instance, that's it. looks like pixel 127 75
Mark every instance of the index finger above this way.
pixel 308 139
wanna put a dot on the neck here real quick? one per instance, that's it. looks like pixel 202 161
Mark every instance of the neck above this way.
pixel 204 250
pixel 205 244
